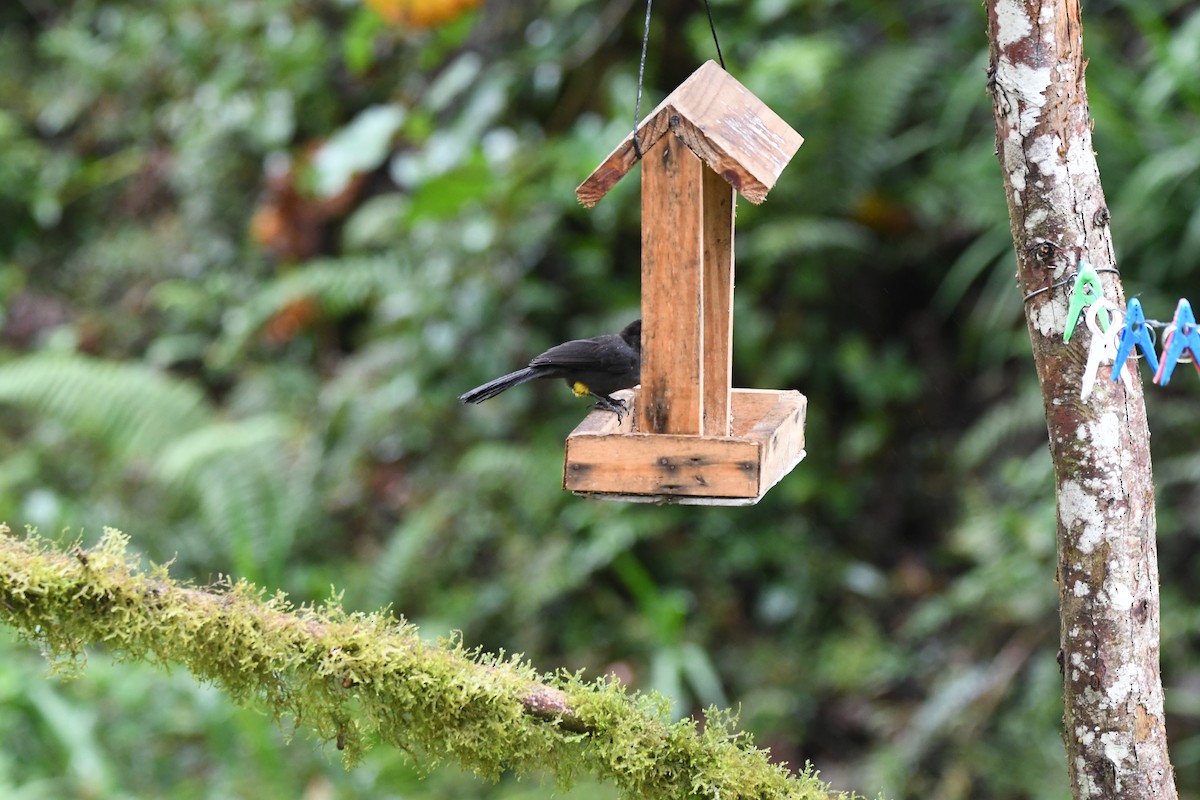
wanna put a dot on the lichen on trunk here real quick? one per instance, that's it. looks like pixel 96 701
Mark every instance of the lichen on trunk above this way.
pixel 1114 728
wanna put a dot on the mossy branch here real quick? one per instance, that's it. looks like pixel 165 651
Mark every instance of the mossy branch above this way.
pixel 356 678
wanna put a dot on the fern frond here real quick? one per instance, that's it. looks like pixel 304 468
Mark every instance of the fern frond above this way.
pixel 253 482
pixel 131 410
pixel 1006 424
pixel 336 286
pixel 876 99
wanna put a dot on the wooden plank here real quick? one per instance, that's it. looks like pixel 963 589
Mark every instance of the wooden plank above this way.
pixel 781 432
pixel 662 464
pixel 688 469
pixel 749 406
pixel 717 302
pixel 736 134
pixel 606 422
pixel 782 408
pixel 672 249
pixel 669 499
pixel 623 156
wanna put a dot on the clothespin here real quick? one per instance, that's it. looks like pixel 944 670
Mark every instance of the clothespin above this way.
pixel 1103 347
pixel 1086 291
pixel 1134 331
pixel 1182 335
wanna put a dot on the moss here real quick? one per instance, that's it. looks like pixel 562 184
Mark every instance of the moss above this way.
pixel 355 678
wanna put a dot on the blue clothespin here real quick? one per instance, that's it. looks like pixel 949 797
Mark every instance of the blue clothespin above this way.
pixel 1185 336
pixel 1135 331
pixel 1087 290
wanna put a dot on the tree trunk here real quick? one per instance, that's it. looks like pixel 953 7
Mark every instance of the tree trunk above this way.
pixel 1113 724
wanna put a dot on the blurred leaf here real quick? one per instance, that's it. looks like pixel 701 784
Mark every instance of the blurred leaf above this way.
pixel 131 410
pixel 359 147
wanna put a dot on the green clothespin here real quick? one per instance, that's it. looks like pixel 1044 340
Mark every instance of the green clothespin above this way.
pixel 1087 291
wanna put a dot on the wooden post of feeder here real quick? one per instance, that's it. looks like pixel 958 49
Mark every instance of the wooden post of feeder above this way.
pixel 687 294
pixel 692 437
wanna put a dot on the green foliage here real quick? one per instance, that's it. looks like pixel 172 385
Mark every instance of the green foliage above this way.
pixel 134 410
pixel 253 477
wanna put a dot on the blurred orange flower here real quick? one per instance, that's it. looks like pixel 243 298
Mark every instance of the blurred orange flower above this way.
pixel 421 13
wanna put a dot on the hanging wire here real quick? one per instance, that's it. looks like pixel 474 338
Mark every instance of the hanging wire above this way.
pixel 637 106
pixel 712 27
pixel 1070 276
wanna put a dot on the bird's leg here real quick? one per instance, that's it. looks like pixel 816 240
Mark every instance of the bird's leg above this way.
pixel 617 407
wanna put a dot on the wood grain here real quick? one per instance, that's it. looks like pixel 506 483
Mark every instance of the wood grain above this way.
pixel 603 458
pixel 716 305
pixel 734 132
pixel 672 251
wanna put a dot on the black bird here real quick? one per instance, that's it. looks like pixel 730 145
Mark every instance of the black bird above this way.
pixel 597 367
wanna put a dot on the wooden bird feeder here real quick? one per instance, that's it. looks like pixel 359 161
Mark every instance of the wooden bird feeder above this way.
pixel 690 436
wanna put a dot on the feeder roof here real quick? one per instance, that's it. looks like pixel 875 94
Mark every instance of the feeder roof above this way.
pixel 730 129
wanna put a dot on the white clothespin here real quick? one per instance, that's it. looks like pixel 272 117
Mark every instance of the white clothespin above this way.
pixel 1103 349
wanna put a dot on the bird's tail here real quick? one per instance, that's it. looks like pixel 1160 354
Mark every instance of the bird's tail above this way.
pixel 495 387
